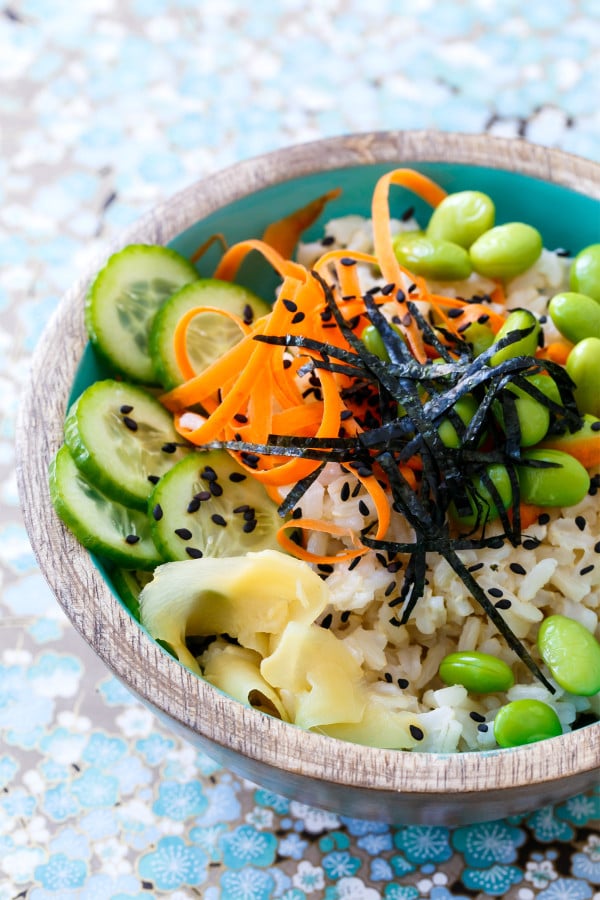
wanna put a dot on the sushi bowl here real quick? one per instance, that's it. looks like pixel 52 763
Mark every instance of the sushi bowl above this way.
pixel 528 183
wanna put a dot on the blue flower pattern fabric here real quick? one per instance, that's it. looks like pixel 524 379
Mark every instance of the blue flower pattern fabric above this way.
pixel 108 107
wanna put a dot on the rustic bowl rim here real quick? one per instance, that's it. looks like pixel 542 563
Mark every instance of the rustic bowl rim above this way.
pixel 100 618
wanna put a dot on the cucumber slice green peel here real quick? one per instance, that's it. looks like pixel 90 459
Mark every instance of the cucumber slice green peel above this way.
pixel 209 335
pixel 128 584
pixel 207 505
pixel 123 440
pixel 104 527
pixel 123 300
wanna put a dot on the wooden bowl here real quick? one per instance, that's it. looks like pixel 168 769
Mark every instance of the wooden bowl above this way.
pixel 552 190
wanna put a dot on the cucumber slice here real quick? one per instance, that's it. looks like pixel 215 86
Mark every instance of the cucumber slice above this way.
pixel 192 501
pixel 209 335
pixel 123 300
pixel 106 528
pixel 123 440
pixel 128 584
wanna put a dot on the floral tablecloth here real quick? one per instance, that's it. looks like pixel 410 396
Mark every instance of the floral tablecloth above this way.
pixel 106 106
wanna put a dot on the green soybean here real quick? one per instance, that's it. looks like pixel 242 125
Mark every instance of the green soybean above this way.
pixel 477 672
pixel 534 418
pixel 576 316
pixel 518 320
pixel 506 250
pixel 462 217
pixel 572 654
pixel 584 275
pixel 524 722
pixel 498 475
pixel 465 407
pixel 432 258
pixel 583 365
pixel 480 337
pixel 565 484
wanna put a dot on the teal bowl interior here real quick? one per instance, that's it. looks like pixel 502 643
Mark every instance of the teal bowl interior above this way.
pixel 566 219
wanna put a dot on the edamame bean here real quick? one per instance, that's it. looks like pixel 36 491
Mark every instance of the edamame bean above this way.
pixel 518 320
pixel 462 217
pixel 500 478
pixel 480 337
pixel 584 275
pixel 477 672
pixel 465 407
pixel 506 250
pixel 576 316
pixel 524 722
pixel 432 258
pixel 572 654
pixel 534 418
pixel 583 365
pixel 563 485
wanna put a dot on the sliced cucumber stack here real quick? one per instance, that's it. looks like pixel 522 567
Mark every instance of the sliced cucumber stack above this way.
pixel 123 300
pixel 206 505
pixel 122 440
pixel 209 335
pixel 105 527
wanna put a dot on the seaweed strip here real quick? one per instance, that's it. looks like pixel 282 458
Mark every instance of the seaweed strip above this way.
pixel 298 491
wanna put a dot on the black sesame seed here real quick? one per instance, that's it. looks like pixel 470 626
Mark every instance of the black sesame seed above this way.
pixel 402 683
pixel 483 728
pixel 417 733
pixel 153 479
pixel 194 505
pixel 388 677
pixel 290 305
pixel 476 567
pixel 531 544
pixel 248 314
pixel 560 251
pixel 237 476
pixel 208 474
pixel 503 604
pixel 597 547
pixel 345 491
pixel 455 313
pixel 408 213
pixel 518 569
pixel 327 620
pixel 202 495
pixel 241 418
pixel 297 513
pixel 387 289
pixel 132 538
pixel 356 489
pixel 363 508
pixel 477 717
pixel 287 363
pixel 580 521
pixel 394 567
pixel 241 509
pixel 325 567
pixel 249 526
pixel 411 288
pixel 483 319
pixel 390 588
pixel 364 472
pixel 495 592
pixel 328 240
pixel 595 426
pixel 215 489
pixel 395 602
pixel 345 615
pixel 249 514
pixel 218 520
pixel 345 414
pixel 125 409
pixel 400 296
pixel 347 261
pixel 543 519
pixel 354 562
pixel 587 569
pixel 184 533
pixel 130 423
pixel 157 513
pixel 193 552
pixel 170 447
pixel 406 320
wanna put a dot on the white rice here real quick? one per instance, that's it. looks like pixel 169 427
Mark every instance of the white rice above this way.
pixel 402 661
